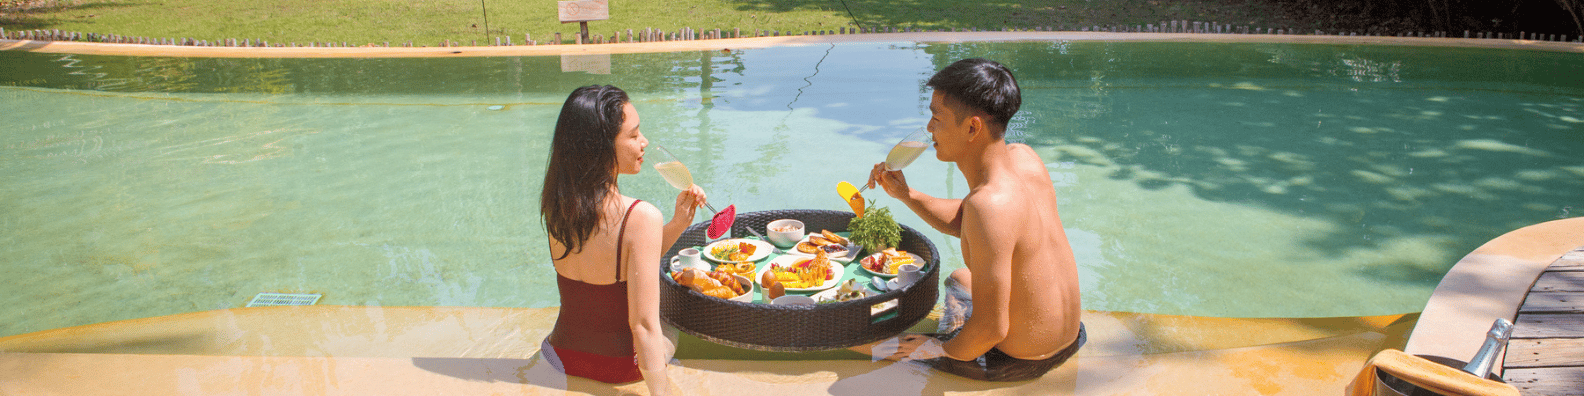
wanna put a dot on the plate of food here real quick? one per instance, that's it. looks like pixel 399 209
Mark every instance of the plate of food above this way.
pixel 837 247
pixel 746 268
pixel 849 291
pixel 802 273
pixel 885 263
pixel 737 250
pixel 716 284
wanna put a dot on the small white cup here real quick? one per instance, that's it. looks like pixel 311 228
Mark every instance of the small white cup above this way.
pixel 907 274
pixel 688 258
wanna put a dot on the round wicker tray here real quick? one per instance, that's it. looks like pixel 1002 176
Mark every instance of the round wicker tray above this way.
pixel 797 328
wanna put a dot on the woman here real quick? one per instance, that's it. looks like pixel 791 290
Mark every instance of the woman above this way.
pixel 606 246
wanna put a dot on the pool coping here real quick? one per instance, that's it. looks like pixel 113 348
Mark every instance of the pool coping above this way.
pixel 372 51
pixel 1489 283
pixel 421 350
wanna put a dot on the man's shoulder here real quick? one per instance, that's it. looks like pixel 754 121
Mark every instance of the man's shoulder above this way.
pixel 993 197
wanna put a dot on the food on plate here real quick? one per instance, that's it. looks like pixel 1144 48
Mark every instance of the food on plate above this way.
pixel 716 284
pixel 807 247
pixel 833 238
pixel 744 268
pixel 828 241
pixel 887 261
pixel 740 251
pixel 802 275
pixel 848 291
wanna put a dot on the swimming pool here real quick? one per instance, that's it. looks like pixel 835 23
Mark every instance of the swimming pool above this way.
pixel 1208 179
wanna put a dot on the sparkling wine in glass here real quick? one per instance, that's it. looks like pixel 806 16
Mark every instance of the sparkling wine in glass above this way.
pixel 676 174
pixel 908 150
pixel 905 151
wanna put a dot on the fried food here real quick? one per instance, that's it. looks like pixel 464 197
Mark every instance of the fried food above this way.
pixel 833 238
pixel 713 284
pixel 826 241
pixel 745 268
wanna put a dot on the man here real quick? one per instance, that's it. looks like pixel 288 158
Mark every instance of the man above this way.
pixel 1013 313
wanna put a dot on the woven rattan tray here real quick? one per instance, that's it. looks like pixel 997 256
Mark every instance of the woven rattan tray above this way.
pixel 797 328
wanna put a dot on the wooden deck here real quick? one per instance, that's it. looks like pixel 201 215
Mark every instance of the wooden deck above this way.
pixel 1546 353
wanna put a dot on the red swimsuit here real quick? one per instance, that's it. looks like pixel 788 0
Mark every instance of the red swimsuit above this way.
pixel 591 336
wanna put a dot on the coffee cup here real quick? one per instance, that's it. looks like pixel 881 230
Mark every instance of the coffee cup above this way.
pixel 688 258
pixel 907 274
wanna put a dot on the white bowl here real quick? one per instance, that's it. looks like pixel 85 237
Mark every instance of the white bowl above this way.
pixel 784 239
pixel 748 287
pixel 793 299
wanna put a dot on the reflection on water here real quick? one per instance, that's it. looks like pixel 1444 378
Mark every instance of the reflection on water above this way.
pixel 1202 179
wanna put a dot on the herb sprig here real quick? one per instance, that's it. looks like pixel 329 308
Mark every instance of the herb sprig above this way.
pixel 876 230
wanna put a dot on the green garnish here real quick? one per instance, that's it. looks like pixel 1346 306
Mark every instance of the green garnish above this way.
pixel 876 230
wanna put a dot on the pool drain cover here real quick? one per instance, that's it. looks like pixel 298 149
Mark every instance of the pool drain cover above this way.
pixel 275 299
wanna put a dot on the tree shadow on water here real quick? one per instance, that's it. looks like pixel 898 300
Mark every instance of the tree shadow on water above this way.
pixel 1394 149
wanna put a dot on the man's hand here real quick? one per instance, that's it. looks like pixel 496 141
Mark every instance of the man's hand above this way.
pixel 892 180
pixel 916 347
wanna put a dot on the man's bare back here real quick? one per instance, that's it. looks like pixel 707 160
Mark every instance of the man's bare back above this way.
pixel 1019 203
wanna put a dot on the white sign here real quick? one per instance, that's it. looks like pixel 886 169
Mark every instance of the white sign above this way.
pixel 583 10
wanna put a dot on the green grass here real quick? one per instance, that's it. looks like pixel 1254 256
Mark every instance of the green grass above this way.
pixel 427 22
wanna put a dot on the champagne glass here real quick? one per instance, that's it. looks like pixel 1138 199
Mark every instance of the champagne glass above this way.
pixel 676 174
pixel 905 151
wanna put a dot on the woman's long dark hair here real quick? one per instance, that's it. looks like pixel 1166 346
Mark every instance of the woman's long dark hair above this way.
pixel 582 165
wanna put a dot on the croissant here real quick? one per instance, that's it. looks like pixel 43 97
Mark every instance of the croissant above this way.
pixel 727 280
pixel 720 292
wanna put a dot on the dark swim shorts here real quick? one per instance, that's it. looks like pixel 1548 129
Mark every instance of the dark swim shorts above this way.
pixel 997 366
pixel 994 365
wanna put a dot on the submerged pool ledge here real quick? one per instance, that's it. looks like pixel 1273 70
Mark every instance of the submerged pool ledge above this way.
pixel 419 350
pixel 372 51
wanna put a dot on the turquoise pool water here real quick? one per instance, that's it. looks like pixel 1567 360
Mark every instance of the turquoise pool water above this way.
pixel 1209 179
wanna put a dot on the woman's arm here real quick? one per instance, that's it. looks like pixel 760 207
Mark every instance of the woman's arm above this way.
pixel 643 297
pixel 687 202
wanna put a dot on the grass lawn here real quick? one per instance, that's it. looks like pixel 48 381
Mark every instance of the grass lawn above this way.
pixel 430 21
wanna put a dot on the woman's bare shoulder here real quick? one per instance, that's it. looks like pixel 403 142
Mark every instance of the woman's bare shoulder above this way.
pixel 646 213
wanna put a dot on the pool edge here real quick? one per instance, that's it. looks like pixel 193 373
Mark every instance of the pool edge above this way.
pixel 371 51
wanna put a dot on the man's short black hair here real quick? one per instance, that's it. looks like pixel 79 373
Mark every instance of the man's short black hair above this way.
pixel 983 85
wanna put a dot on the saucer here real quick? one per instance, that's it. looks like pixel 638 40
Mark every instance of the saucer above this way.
pixel 883 284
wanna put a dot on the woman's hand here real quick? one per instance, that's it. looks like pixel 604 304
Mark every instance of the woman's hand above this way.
pixel 892 180
pixel 687 203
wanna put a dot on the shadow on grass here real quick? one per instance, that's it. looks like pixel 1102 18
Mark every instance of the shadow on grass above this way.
pixel 29 15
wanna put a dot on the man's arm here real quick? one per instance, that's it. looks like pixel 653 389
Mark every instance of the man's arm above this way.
pixel 989 222
pixel 945 215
